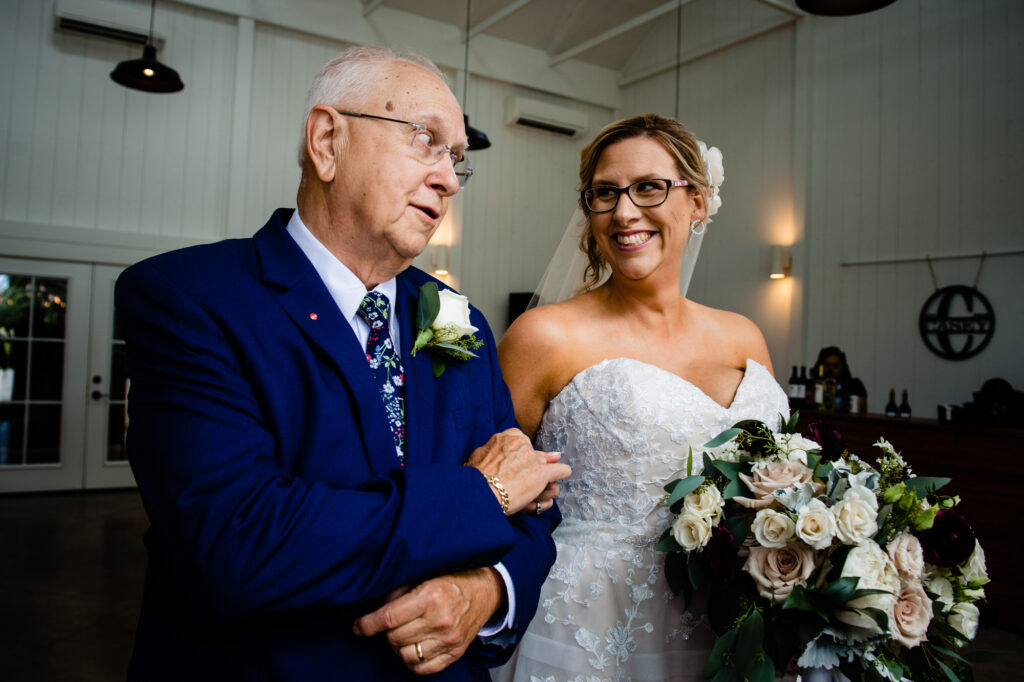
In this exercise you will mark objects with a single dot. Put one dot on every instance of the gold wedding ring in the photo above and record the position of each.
(419, 652)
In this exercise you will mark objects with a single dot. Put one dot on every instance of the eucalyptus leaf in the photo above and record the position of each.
(880, 617)
(763, 671)
(749, 644)
(723, 437)
(923, 486)
(684, 488)
(950, 653)
(716, 661)
(949, 673)
(734, 489)
(739, 526)
(437, 365)
(667, 543)
(422, 339)
(459, 350)
(428, 306)
(839, 591)
(676, 571)
(698, 576)
(728, 469)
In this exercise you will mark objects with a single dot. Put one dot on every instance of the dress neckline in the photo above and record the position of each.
(751, 363)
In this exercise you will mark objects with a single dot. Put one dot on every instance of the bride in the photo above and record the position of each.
(624, 379)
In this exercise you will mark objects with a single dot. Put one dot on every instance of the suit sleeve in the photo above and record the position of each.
(245, 535)
(533, 555)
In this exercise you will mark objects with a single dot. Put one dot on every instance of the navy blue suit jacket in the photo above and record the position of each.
(279, 514)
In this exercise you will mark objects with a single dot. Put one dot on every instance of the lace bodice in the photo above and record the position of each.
(606, 613)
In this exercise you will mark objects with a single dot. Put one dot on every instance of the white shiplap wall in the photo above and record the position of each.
(79, 151)
(890, 134)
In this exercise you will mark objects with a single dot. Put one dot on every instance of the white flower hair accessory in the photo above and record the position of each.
(715, 175)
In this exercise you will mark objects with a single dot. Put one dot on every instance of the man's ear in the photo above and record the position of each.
(322, 130)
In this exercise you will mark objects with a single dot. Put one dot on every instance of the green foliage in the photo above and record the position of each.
(723, 438)
(923, 486)
(428, 306)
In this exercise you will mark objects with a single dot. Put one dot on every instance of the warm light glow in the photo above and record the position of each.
(777, 275)
(148, 72)
(781, 262)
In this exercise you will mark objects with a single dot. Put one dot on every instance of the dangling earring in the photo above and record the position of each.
(697, 227)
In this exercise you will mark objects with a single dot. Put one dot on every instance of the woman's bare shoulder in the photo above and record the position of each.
(736, 334)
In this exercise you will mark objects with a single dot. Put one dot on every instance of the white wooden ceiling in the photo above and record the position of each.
(600, 32)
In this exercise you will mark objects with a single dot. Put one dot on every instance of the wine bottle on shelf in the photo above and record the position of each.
(858, 399)
(808, 386)
(904, 405)
(891, 408)
(819, 389)
(796, 391)
(829, 393)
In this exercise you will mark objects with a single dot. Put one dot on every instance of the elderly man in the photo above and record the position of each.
(323, 506)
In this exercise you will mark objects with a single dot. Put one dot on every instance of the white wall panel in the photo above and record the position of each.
(81, 151)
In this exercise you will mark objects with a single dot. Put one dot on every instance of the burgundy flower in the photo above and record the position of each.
(757, 438)
(831, 441)
(949, 542)
(719, 556)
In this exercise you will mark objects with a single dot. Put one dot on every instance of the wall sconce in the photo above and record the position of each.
(439, 259)
(782, 262)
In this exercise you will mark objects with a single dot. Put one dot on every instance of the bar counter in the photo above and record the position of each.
(987, 474)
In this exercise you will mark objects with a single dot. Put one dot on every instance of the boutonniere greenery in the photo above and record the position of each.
(443, 327)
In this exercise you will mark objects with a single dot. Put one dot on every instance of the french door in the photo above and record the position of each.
(62, 383)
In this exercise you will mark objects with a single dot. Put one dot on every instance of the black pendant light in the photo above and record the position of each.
(477, 139)
(841, 8)
(147, 74)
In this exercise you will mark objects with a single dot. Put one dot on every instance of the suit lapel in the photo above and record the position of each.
(307, 302)
(420, 384)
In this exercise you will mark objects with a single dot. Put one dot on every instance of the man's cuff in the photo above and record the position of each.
(500, 629)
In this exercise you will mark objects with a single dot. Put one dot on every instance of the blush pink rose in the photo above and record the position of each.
(768, 476)
(777, 570)
(912, 614)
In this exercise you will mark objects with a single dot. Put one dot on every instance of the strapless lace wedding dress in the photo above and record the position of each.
(606, 613)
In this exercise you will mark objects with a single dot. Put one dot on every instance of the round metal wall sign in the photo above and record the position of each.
(957, 322)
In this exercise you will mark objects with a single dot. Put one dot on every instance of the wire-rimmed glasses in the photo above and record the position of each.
(426, 149)
(643, 194)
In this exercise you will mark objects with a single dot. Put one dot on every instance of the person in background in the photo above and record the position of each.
(323, 505)
(850, 391)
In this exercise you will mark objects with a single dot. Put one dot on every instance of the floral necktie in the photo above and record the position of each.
(386, 365)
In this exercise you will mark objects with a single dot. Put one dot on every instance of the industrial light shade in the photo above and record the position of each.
(147, 74)
(782, 262)
(841, 8)
(477, 139)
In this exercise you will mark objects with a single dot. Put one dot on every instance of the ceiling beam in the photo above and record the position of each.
(370, 6)
(783, 7)
(640, 20)
(694, 55)
(498, 16)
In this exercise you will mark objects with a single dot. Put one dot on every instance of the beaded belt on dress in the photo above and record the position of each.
(604, 535)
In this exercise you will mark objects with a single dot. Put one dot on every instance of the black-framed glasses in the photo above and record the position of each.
(643, 193)
(426, 149)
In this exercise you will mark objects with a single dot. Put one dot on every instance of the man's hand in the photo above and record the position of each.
(528, 476)
(442, 615)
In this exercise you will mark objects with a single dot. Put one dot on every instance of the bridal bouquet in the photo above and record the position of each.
(815, 560)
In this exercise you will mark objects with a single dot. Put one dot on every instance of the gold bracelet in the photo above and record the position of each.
(502, 493)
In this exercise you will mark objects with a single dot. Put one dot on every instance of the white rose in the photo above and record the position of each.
(452, 321)
(772, 529)
(796, 446)
(705, 503)
(691, 531)
(875, 571)
(908, 557)
(912, 614)
(942, 589)
(975, 572)
(964, 619)
(776, 570)
(856, 515)
(815, 524)
(716, 168)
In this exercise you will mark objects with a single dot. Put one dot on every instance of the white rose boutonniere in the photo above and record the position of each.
(443, 327)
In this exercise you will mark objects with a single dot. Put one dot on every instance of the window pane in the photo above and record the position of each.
(14, 359)
(44, 434)
(15, 294)
(47, 370)
(51, 302)
(12, 420)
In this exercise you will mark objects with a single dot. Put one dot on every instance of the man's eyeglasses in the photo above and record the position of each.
(425, 148)
(643, 193)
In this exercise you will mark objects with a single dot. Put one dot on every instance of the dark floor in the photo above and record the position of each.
(71, 569)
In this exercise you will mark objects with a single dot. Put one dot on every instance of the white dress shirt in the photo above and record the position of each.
(348, 292)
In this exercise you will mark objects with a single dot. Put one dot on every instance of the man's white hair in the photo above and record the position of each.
(350, 78)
